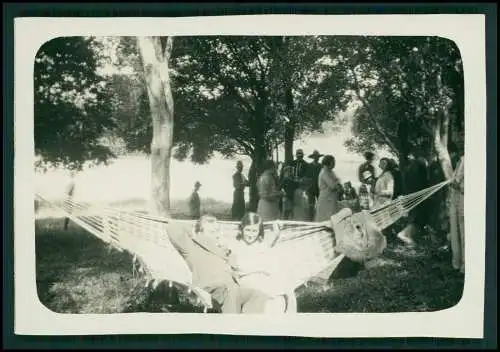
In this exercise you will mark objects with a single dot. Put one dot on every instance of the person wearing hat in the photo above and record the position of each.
(300, 169)
(314, 170)
(194, 202)
(300, 166)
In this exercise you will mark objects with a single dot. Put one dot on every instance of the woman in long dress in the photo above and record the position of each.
(329, 186)
(384, 186)
(269, 194)
(239, 184)
(301, 210)
(254, 257)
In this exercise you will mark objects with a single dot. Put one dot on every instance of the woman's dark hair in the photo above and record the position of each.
(251, 218)
(328, 160)
(388, 164)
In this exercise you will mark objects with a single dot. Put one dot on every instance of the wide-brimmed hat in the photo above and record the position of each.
(315, 154)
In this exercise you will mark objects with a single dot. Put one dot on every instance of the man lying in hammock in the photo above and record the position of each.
(212, 267)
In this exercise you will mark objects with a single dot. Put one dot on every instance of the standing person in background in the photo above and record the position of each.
(329, 187)
(437, 203)
(288, 185)
(239, 184)
(365, 201)
(301, 210)
(366, 171)
(195, 203)
(349, 191)
(398, 180)
(300, 166)
(457, 229)
(70, 190)
(269, 194)
(314, 170)
(384, 186)
(299, 169)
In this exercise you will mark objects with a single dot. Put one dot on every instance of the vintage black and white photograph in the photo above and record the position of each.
(250, 174)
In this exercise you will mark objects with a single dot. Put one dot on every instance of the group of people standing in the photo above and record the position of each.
(300, 191)
(311, 191)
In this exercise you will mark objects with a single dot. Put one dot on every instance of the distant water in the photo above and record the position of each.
(130, 177)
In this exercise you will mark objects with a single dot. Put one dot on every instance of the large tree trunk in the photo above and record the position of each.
(252, 180)
(440, 138)
(155, 53)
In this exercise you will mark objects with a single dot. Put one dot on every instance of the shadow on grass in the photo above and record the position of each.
(77, 273)
(404, 280)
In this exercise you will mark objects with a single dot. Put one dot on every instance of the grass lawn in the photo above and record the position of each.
(77, 273)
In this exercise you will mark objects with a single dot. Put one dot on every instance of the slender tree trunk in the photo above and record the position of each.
(155, 55)
(289, 138)
(290, 126)
(252, 180)
(440, 138)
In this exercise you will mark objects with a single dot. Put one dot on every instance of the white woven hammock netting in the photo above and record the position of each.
(302, 250)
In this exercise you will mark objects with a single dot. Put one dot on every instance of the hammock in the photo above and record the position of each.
(301, 251)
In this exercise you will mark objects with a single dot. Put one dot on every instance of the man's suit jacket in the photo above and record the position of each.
(209, 263)
(300, 168)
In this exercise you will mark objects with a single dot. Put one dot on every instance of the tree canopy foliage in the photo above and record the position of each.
(231, 94)
(404, 85)
(244, 95)
(71, 104)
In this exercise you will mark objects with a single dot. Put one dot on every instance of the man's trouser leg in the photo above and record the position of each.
(253, 301)
(228, 297)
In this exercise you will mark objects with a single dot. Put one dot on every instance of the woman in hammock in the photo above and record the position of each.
(253, 256)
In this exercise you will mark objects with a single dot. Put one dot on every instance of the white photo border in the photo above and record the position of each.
(465, 320)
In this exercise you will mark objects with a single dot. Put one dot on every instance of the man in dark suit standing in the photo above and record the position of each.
(213, 267)
(300, 166)
(314, 170)
(300, 170)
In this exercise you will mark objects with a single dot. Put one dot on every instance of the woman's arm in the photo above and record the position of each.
(331, 181)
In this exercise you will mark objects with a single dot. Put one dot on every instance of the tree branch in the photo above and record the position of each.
(377, 125)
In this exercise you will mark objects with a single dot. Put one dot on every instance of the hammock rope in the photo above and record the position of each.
(302, 250)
